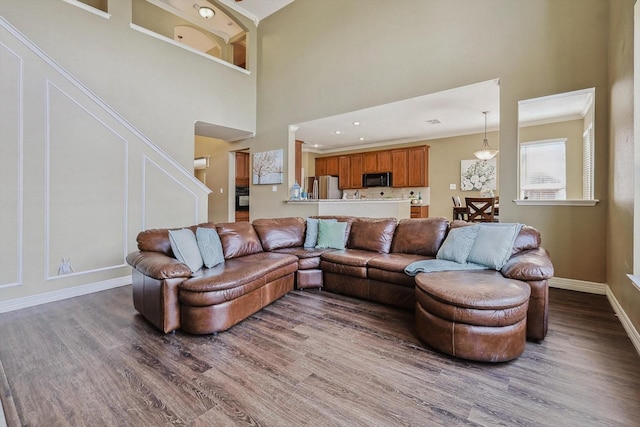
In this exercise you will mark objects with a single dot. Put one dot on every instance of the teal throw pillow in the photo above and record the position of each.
(185, 248)
(311, 236)
(210, 246)
(494, 244)
(331, 234)
(457, 246)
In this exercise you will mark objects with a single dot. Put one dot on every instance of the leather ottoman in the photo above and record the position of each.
(480, 316)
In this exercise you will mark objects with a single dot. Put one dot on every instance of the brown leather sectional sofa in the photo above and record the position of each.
(266, 259)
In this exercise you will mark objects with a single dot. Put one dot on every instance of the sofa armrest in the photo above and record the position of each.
(157, 265)
(529, 265)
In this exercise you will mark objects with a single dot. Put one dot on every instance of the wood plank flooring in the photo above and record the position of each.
(310, 358)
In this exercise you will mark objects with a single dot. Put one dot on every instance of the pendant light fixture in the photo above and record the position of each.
(486, 152)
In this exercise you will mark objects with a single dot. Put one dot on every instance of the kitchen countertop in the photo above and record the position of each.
(379, 200)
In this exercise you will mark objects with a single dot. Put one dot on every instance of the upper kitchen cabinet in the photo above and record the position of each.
(418, 166)
(344, 172)
(355, 171)
(328, 166)
(376, 161)
(399, 165)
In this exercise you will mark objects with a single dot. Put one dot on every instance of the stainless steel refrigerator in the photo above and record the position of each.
(327, 186)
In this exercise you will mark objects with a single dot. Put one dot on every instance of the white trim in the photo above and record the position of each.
(88, 8)
(571, 202)
(578, 285)
(47, 297)
(632, 332)
(635, 279)
(186, 47)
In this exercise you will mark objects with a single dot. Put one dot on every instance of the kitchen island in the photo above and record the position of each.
(372, 208)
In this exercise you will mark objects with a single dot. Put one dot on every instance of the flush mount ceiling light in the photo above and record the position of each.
(206, 12)
(486, 152)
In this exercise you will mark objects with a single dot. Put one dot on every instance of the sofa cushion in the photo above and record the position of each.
(185, 248)
(276, 233)
(421, 236)
(210, 246)
(528, 238)
(238, 239)
(311, 235)
(372, 234)
(331, 234)
(155, 240)
(458, 244)
(494, 244)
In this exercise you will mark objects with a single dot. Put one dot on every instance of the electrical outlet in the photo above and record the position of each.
(221, 190)
(452, 186)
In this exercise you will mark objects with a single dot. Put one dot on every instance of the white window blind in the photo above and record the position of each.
(543, 170)
(587, 163)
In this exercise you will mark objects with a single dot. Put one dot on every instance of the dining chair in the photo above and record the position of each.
(459, 211)
(480, 209)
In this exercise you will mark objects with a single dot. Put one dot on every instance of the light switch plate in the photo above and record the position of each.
(274, 188)
(452, 186)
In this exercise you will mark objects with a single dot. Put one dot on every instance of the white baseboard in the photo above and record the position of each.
(32, 300)
(632, 332)
(578, 285)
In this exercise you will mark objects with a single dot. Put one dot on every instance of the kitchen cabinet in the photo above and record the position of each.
(384, 161)
(370, 162)
(355, 170)
(376, 161)
(419, 211)
(344, 176)
(328, 166)
(321, 166)
(409, 166)
(417, 167)
(333, 167)
(242, 169)
(399, 164)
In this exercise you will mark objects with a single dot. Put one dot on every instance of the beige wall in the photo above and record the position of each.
(217, 175)
(620, 233)
(324, 58)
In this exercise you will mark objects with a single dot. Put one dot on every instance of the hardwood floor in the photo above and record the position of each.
(308, 359)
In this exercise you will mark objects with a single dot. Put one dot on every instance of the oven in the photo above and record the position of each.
(242, 198)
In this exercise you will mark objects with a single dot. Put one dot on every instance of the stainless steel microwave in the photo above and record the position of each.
(382, 179)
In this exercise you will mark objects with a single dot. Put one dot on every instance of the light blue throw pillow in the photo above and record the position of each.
(494, 244)
(185, 248)
(331, 234)
(210, 246)
(311, 236)
(457, 246)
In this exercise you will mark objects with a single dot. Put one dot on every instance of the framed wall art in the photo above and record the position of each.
(267, 167)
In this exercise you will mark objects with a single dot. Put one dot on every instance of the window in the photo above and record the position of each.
(543, 170)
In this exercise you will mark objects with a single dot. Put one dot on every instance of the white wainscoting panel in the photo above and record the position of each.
(11, 167)
(86, 188)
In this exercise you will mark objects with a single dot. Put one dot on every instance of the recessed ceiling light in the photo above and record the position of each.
(361, 138)
(338, 132)
(316, 145)
(356, 123)
(434, 121)
(206, 12)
